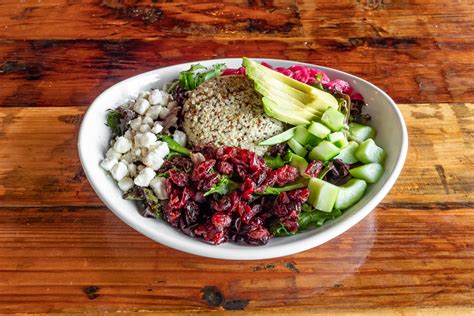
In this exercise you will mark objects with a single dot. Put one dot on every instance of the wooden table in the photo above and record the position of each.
(62, 251)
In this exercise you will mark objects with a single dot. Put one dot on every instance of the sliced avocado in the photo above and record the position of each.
(350, 193)
(280, 138)
(272, 110)
(322, 194)
(324, 99)
(267, 84)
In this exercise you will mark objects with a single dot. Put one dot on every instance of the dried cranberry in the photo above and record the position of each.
(278, 149)
(222, 205)
(243, 209)
(241, 171)
(208, 151)
(248, 215)
(256, 162)
(248, 187)
(314, 168)
(210, 233)
(300, 195)
(221, 220)
(286, 174)
(206, 183)
(202, 169)
(172, 216)
(191, 212)
(282, 198)
(225, 168)
(280, 210)
(258, 236)
(181, 179)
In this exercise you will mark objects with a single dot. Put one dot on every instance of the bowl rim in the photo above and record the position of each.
(261, 252)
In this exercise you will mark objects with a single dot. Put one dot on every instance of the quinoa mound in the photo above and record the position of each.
(227, 111)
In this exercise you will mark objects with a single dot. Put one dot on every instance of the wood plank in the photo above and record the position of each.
(57, 19)
(65, 73)
(81, 259)
(113, 19)
(39, 166)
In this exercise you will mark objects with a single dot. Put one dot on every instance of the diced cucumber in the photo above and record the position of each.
(370, 173)
(338, 139)
(359, 132)
(324, 151)
(298, 162)
(313, 141)
(301, 135)
(280, 138)
(322, 194)
(350, 193)
(369, 152)
(333, 119)
(347, 154)
(318, 130)
(297, 147)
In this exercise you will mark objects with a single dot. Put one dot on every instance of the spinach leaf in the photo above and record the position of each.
(224, 186)
(197, 74)
(113, 121)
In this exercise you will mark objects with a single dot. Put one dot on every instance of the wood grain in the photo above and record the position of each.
(47, 72)
(40, 166)
(77, 259)
(62, 251)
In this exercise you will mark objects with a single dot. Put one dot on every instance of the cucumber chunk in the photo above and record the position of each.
(350, 193)
(338, 139)
(359, 132)
(322, 194)
(324, 151)
(297, 147)
(318, 130)
(280, 138)
(333, 119)
(370, 173)
(298, 162)
(369, 152)
(347, 154)
(301, 135)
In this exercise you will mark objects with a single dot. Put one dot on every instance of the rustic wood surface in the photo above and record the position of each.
(62, 251)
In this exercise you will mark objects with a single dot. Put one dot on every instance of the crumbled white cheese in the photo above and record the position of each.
(164, 113)
(145, 128)
(153, 112)
(159, 187)
(141, 106)
(172, 104)
(148, 139)
(160, 148)
(180, 137)
(132, 170)
(122, 145)
(136, 123)
(128, 157)
(158, 97)
(144, 177)
(119, 171)
(108, 163)
(147, 120)
(157, 128)
(153, 160)
(111, 153)
(128, 134)
(125, 184)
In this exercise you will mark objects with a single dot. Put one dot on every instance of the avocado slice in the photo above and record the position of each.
(322, 98)
(284, 114)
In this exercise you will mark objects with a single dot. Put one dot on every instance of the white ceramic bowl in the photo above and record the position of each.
(94, 137)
